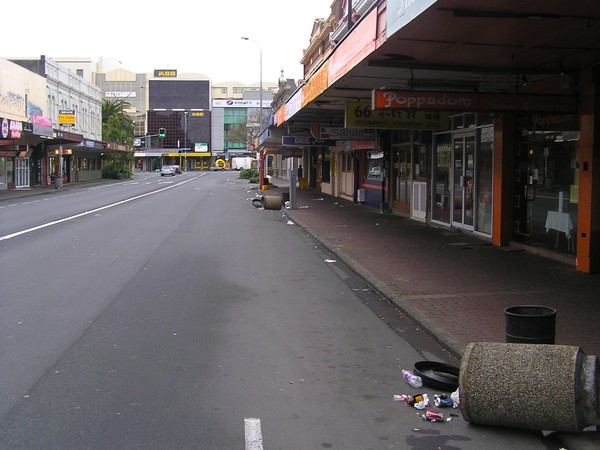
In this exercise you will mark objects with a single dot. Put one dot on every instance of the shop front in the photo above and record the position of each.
(547, 181)
(462, 174)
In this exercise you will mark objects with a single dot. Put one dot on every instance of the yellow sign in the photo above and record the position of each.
(360, 115)
(220, 163)
(197, 113)
(66, 119)
(165, 73)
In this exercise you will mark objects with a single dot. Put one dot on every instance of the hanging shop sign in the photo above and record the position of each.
(338, 133)
(361, 115)
(459, 101)
(306, 141)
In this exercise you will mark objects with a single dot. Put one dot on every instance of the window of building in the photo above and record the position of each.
(79, 72)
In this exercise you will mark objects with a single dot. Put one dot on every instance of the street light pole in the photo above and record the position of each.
(262, 169)
(185, 142)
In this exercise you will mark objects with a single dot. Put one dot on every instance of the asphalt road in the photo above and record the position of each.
(170, 313)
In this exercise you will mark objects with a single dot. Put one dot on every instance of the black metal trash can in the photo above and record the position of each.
(530, 324)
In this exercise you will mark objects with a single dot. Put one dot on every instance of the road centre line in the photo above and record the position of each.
(253, 434)
(76, 216)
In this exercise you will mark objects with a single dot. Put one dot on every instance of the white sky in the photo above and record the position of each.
(189, 36)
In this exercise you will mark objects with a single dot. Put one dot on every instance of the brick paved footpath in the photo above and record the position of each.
(455, 285)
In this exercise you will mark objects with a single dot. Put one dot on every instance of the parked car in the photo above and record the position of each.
(176, 167)
(167, 170)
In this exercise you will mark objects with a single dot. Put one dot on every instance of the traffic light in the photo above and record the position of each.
(162, 132)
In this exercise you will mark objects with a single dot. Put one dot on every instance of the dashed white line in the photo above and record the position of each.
(253, 434)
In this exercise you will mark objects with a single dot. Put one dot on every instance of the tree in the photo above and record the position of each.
(117, 127)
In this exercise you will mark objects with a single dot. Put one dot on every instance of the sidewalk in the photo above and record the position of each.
(455, 285)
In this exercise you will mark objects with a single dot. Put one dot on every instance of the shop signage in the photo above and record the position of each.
(16, 129)
(240, 103)
(360, 115)
(169, 73)
(66, 117)
(316, 84)
(201, 147)
(117, 94)
(10, 129)
(456, 101)
(306, 141)
(357, 134)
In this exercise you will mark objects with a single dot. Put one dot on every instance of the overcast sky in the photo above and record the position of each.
(202, 37)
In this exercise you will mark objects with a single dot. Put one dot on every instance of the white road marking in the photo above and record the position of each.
(253, 434)
(76, 216)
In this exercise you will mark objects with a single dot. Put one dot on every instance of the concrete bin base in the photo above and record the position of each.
(268, 201)
(534, 386)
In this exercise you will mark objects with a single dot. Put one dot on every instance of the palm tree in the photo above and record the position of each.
(117, 126)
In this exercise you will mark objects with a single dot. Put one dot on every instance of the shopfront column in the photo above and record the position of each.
(503, 209)
(588, 231)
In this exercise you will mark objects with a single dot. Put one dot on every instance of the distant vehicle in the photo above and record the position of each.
(242, 162)
(219, 164)
(167, 170)
(375, 172)
(176, 167)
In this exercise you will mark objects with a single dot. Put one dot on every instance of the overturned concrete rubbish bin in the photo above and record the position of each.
(268, 201)
(530, 324)
(534, 386)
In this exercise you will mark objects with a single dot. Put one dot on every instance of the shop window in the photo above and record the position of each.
(85, 164)
(483, 181)
(442, 157)
(326, 166)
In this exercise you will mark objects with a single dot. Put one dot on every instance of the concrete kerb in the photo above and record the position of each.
(455, 347)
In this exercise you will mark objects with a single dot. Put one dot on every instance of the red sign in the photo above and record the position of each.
(456, 101)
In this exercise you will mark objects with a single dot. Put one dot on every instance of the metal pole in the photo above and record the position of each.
(262, 169)
(185, 143)
(293, 178)
(265, 164)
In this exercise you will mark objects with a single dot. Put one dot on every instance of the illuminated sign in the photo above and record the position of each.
(197, 113)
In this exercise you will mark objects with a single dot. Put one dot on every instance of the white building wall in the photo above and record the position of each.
(66, 90)
(22, 92)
